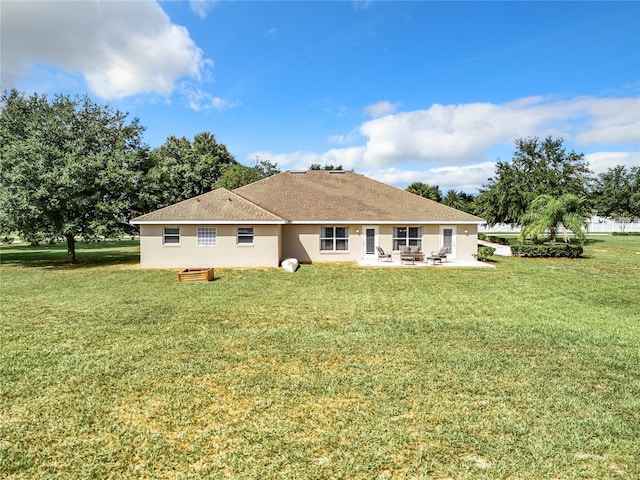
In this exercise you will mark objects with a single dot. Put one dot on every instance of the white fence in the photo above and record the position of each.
(607, 225)
(595, 225)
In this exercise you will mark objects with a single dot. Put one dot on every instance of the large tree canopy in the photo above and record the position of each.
(236, 175)
(68, 168)
(183, 169)
(616, 193)
(538, 167)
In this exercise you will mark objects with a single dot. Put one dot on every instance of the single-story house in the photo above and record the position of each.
(314, 216)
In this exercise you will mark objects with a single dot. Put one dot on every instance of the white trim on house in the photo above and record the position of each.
(376, 222)
(295, 222)
(208, 222)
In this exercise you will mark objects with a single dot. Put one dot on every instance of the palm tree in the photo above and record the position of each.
(458, 200)
(454, 199)
(431, 192)
(549, 213)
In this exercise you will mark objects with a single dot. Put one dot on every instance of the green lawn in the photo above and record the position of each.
(530, 370)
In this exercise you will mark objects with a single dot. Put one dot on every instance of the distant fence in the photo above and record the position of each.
(595, 225)
(604, 225)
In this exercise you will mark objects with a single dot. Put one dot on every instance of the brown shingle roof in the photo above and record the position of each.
(312, 196)
(219, 205)
(318, 195)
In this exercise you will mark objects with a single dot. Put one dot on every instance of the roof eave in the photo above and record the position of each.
(207, 222)
(387, 222)
(305, 222)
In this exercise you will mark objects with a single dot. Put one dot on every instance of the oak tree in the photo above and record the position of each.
(182, 169)
(539, 167)
(237, 175)
(68, 168)
(616, 193)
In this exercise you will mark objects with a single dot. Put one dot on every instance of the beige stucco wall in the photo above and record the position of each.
(303, 242)
(264, 252)
(273, 243)
(467, 243)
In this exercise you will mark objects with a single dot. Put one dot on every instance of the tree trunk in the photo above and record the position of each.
(71, 247)
(552, 231)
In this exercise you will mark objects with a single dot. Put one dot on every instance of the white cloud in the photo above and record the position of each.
(450, 134)
(347, 157)
(120, 48)
(600, 162)
(450, 145)
(199, 100)
(201, 7)
(467, 178)
(610, 121)
(380, 109)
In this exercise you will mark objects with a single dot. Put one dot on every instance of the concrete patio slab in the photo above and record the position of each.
(448, 264)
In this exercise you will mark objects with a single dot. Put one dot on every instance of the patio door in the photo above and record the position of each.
(370, 241)
(448, 239)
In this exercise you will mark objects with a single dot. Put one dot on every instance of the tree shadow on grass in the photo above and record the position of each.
(88, 255)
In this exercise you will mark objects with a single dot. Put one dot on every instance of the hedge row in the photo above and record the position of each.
(624, 234)
(495, 239)
(556, 251)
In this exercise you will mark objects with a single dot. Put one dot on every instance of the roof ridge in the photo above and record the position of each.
(315, 195)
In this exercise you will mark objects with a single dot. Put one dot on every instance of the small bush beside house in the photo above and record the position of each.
(484, 253)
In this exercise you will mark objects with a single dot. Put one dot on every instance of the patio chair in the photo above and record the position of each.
(382, 254)
(441, 254)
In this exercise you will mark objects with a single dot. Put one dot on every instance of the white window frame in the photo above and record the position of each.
(330, 234)
(244, 235)
(207, 236)
(406, 239)
(166, 235)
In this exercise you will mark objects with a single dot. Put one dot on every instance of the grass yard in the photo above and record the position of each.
(530, 370)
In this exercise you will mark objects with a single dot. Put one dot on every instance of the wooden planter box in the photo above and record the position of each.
(196, 275)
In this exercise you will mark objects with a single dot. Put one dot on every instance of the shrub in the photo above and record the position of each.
(482, 236)
(495, 239)
(624, 234)
(484, 253)
(546, 251)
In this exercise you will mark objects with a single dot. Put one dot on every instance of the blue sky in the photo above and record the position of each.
(400, 91)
